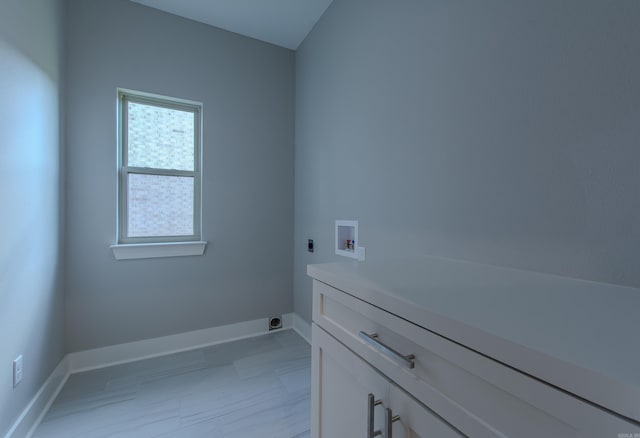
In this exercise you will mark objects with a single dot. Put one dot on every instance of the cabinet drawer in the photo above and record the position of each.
(342, 383)
(482, 397)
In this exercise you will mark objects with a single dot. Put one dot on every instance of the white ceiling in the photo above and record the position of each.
(282, 22)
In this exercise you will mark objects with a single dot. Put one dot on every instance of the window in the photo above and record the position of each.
(159, 169)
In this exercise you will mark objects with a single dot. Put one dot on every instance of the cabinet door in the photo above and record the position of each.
(414, 419)
(342, 383)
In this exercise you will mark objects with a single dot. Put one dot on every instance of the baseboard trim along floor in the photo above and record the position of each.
(302, 327)
(93, 359)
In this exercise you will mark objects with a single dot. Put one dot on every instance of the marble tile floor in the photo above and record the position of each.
(256, 387)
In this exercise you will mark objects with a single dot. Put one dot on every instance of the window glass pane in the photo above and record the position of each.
(161, 138)
(160, 205)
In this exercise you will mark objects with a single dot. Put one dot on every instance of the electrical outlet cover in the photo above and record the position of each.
(17, 370)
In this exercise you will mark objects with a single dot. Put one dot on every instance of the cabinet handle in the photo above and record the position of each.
(408, 361)
(389, 419)
(371, 416)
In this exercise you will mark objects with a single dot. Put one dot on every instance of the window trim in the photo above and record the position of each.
(124, 170)
(156, 250)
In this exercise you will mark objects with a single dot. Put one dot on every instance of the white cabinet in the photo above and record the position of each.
(353, 400)
(435, 386)
(342, 383)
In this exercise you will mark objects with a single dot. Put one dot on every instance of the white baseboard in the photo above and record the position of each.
(144, 349)
(148, 348)
(302, 327)
(33, 413)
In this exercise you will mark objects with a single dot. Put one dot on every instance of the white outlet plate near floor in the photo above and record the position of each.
(17, 370)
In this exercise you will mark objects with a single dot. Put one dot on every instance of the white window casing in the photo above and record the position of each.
(159, 182)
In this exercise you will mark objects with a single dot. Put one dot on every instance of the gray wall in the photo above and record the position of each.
(31, 295)
(247, 89)
(504, 132)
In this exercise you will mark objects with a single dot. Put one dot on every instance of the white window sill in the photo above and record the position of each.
(154, 250)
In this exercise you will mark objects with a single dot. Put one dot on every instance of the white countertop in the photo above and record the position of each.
(578, 335)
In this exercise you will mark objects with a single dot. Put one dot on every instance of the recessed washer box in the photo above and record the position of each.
(346, 241)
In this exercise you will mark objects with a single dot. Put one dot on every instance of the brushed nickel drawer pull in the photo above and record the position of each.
(372, 340)
(389, 419)
(372, 403)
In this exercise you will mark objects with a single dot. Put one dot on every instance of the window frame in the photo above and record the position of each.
(124, 170)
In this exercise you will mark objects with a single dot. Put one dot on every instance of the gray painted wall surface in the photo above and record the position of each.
(31, 294)
(247, 89)
(501, 132)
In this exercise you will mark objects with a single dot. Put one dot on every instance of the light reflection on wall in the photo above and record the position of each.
(30, 204)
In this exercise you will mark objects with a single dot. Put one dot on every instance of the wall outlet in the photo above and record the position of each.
(17, 370)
